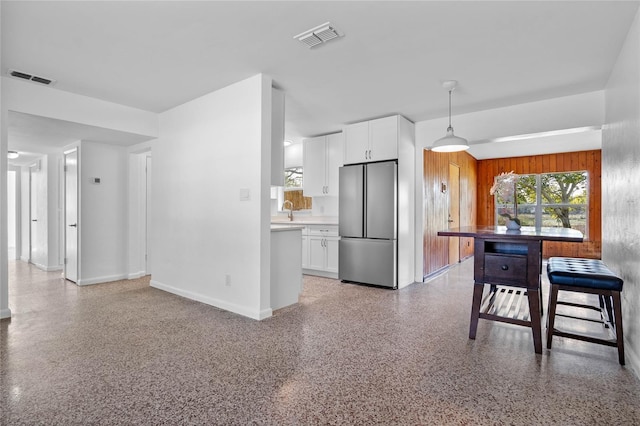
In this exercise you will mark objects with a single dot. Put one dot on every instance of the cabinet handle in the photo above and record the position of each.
(504, 267)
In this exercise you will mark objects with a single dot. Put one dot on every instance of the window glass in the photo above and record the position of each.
(549, 200)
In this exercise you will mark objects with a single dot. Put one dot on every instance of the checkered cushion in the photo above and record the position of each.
(591, 273)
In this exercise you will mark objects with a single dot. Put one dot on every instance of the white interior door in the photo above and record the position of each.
(147, 255)
(71, 215)
(34, 242)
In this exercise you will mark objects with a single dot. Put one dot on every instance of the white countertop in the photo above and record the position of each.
(275, 227)
(304, 220)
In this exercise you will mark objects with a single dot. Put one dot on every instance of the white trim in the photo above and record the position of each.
(231, 307)
(5, 313)
(47, 268)
(136, 275)
(320, 273)
(101, 280)
(632, 360)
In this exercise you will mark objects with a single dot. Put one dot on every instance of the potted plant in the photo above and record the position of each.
(504, 187)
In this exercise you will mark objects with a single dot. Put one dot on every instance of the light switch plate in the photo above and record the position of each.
(244, 194)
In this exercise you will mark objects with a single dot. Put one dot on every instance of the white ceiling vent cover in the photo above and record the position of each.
(318, 35)
(26, 76)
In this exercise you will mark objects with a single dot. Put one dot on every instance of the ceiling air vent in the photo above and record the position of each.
(31, 77)
(318, 35)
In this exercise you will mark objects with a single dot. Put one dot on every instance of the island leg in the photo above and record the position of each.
(534, 310)
(475, 308)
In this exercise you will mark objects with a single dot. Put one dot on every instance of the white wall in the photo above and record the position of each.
(5, 312)
(103, 213)
(212, 152)
(568, 112)
(620, 177)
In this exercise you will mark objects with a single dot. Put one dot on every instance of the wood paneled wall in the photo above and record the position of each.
(436, 206)
(565, 162)
(300, 202)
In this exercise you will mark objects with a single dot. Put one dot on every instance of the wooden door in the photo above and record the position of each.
(454, 212)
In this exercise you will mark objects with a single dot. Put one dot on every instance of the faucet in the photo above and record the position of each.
(284, 206)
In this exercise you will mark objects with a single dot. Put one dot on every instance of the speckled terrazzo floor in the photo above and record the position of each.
(125, 353)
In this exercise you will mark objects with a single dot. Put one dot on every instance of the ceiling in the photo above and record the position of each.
(392, 58)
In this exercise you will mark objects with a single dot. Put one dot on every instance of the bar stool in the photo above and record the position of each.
(586, 276)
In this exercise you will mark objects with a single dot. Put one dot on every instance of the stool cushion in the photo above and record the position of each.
(591, 273)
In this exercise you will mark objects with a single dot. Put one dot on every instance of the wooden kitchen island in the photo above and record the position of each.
(513, 259)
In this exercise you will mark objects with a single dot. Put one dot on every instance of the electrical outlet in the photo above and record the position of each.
(227, 280)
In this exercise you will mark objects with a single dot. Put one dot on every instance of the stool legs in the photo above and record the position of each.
(617, 312)
(551, 313)
(616, 325)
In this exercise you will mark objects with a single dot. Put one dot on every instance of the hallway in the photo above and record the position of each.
(126, 353)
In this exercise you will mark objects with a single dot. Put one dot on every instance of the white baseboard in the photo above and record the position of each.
(100, 280)
(136, 275)
(632, 360)
(5, 313)
(231, 307)
(48, 268)
(319, 273)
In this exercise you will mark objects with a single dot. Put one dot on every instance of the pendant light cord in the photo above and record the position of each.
(449, 110)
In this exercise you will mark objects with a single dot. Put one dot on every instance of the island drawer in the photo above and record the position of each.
(505, 268)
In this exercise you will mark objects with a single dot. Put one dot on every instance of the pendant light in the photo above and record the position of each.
(12, 155)
(451, 142)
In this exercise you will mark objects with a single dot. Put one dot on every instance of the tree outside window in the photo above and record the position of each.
(550, 200)
(293, 177)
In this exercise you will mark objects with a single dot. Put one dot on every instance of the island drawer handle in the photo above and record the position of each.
(505, 267)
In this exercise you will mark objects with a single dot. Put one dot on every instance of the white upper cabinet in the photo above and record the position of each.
(374, 140)
(322, 159)
(277, 137)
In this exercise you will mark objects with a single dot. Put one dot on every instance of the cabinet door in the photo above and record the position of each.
(383, 138)
(335, 150)
(332, 253)
(317, 254)
(315, 166)
(356, 143)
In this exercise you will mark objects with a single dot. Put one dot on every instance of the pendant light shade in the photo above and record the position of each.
(451, 142)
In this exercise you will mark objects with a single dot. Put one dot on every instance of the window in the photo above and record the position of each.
(549, 200)
(293, 178)
(293, 189)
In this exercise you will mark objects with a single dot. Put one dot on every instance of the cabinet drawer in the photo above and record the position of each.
(324, 230)
(505, 269)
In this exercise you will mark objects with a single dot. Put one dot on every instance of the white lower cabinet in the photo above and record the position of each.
(322, 250)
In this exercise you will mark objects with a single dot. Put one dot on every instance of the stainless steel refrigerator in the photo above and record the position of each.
(368, 223)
